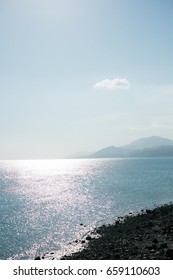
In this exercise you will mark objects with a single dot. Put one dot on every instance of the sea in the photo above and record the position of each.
(45, 205)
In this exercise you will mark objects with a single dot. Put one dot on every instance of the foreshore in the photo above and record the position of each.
(147, 235)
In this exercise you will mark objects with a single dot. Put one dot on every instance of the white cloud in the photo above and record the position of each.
(113, 84)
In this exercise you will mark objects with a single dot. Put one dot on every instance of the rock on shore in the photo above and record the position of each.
(148, 235)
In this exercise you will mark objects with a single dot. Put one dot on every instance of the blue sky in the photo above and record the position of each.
(80, 75)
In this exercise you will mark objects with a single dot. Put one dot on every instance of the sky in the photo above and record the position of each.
(80, 75)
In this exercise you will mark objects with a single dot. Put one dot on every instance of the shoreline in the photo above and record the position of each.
(145, 236)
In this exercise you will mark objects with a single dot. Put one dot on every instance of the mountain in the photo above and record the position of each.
(149, 142)
(153, 146)
(163, 151)
(110, 152)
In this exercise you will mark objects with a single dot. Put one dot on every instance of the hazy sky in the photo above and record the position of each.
(79, 75)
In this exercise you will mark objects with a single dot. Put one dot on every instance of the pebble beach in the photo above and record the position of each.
(145, 236)
(148, 235)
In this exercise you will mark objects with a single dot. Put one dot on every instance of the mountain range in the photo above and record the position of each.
(153, 146)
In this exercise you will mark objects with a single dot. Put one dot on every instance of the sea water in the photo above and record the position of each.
(46, 204)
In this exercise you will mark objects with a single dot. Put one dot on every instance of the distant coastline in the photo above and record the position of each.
(153, 146)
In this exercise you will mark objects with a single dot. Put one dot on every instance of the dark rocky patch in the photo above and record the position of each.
(88, 238)
(37, 258)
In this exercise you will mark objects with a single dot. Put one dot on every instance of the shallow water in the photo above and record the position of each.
(43, 202)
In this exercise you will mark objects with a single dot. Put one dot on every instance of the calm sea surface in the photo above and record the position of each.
(43, 202)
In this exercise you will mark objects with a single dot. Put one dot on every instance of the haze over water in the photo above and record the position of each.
(43, 202)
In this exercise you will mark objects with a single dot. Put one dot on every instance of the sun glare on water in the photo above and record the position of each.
(49, 180)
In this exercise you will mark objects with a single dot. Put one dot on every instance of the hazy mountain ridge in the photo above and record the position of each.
(163, 151)
(149, 142)
(153, 146)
